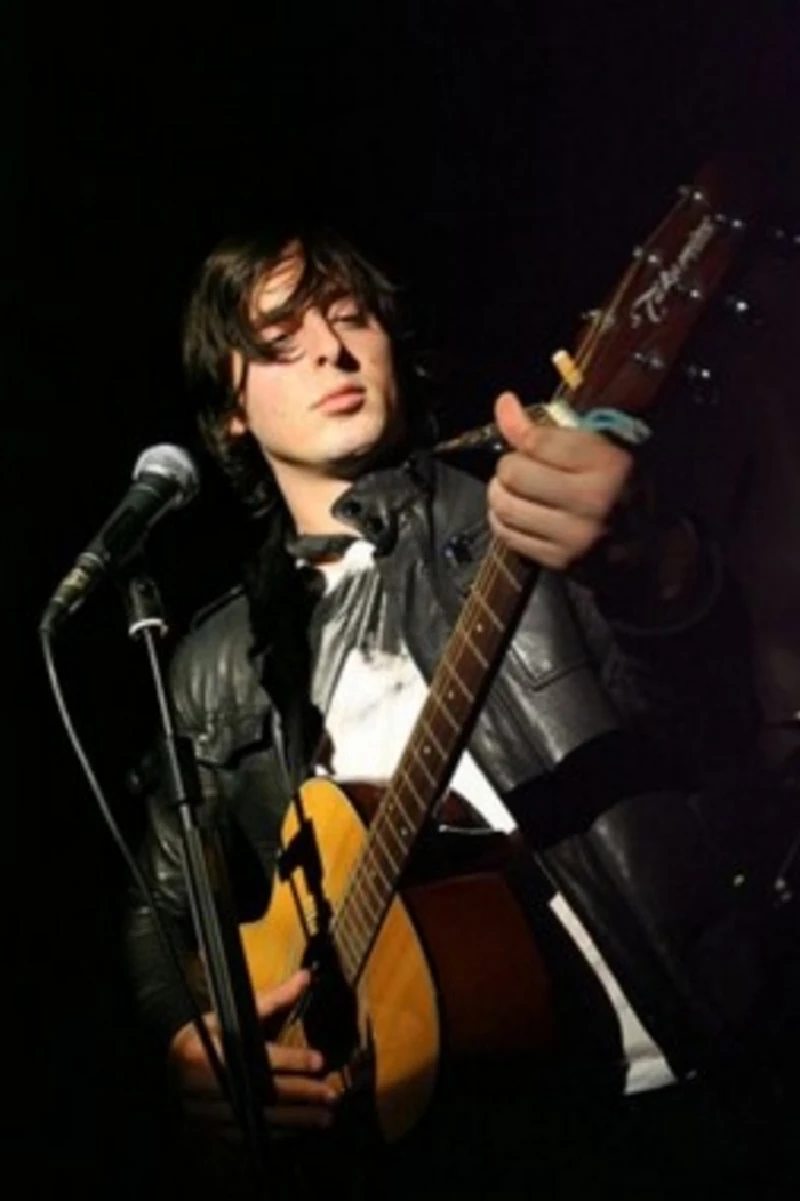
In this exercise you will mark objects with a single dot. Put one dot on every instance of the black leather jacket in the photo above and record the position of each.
(597, 733)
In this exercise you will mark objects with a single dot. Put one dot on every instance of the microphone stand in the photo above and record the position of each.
(247, 1073)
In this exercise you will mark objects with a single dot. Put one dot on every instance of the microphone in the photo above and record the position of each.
(164, 477)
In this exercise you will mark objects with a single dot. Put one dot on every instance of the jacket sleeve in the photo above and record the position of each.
(685, 683)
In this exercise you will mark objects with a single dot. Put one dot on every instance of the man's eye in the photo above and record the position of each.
(350, 317)
(280, 344)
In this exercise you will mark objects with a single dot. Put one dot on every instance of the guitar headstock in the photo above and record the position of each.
(629, 345)
(626, 350)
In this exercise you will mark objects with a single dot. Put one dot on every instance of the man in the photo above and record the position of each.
(606, 719)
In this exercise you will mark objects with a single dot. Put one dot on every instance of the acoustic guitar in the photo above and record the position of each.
(411, 975)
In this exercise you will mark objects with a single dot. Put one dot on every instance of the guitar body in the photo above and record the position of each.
(454, 973)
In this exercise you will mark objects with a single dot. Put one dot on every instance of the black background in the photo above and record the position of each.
(501, 158)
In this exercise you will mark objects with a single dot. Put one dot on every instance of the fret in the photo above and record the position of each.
(360, 914)
(393, 803)
(503, 584)
(434, 699)
(346, 942)
(363, 921)
(430, 733)
(432, 776)
(349, 921)
(489, 611)
(350, 966)
(348, 946)
(365, 918)
(425, 752)
(401, 842)
(467, 640)
(447, 667)
(450, 696)
(371, 859)
(509, 574)
(380, 879)
(393, 799)
(394, 865)
(342, 939)
(349, 959)
(367, 885)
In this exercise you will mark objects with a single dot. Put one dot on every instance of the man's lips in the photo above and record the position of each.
(342, 400)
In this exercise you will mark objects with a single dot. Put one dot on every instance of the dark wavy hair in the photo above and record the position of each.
(219, 319)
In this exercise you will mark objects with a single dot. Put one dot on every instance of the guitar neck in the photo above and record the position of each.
(423, 773)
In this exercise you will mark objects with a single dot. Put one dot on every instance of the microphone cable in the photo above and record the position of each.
(137, 874)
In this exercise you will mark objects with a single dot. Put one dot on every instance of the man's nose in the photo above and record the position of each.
(325, 344)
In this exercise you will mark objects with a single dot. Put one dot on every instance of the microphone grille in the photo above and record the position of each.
(173, 463)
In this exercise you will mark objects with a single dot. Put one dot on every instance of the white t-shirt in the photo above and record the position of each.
(369, 719)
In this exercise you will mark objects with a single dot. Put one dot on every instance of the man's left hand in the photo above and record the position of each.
(553, 494)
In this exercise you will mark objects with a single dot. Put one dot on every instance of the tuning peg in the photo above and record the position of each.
(603, 320)
(651, 257)
(690, 291)
(735, 225)
(742, 310)
(703, 383)
(783, 891)
(786, 241)
(651, 360)
(692, 193)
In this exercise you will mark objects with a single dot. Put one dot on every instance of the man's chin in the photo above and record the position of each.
(356, 463)
(361, 459)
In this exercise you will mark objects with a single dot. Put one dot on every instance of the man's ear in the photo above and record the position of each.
(237, 425)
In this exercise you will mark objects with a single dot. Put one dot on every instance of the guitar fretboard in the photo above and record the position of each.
(426, 765)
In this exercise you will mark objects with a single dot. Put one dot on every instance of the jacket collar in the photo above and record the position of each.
(373, 504)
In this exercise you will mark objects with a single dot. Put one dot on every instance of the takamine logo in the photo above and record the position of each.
(650, 305)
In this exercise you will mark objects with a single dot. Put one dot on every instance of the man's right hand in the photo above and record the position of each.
(302, 1098)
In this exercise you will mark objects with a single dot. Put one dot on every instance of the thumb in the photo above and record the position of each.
(514, 423)
(270, 1001)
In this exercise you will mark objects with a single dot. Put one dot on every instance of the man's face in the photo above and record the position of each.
(331, 399)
